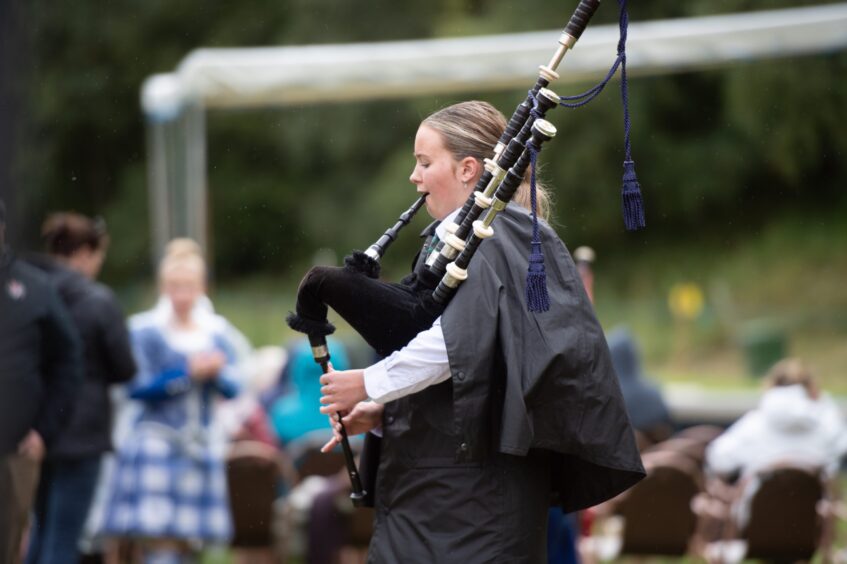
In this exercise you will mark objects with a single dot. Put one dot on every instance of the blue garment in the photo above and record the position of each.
(163, 382)
(65, 491)
(169, 479)
(163, 489)
(296, 413)
(562, 534)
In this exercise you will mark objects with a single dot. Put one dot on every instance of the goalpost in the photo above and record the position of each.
(175, 104)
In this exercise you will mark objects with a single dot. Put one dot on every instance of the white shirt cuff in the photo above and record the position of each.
(377, 382)
(421, 363)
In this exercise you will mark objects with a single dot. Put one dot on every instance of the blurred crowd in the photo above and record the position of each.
(764, 487)
(153, 438)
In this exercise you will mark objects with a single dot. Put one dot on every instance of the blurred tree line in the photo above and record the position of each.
(718, 152)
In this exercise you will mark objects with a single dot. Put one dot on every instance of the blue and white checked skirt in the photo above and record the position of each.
(161, 489)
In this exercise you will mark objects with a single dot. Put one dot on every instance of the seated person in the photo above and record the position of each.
(794, 423)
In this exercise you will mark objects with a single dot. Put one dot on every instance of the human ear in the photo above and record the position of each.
(469, 169)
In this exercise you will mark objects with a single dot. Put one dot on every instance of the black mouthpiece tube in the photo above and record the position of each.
(581, 16)
(377, 250)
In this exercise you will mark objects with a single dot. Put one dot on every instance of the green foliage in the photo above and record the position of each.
(719, 152)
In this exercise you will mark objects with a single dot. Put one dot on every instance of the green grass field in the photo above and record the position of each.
(785, 286)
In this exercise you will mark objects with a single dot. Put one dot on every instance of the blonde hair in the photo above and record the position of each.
(472, 129)
(790, 372)
(182, 253)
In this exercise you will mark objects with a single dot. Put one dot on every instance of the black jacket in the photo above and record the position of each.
(107, 357)
(532, 414)
(561, 393)
(40, 356)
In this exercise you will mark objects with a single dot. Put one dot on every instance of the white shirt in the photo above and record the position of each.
(420, 364)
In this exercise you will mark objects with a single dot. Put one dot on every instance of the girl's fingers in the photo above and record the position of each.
(329, 445)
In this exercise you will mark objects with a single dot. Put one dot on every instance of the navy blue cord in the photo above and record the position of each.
(537, 297)
(631, 200)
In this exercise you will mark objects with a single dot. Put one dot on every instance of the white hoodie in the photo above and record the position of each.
(788, 426)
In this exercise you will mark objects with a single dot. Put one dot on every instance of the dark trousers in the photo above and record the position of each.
(18, 478)
(61, 507)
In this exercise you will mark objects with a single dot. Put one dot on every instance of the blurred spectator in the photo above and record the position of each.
(245, 418)
(294, 414)
(169, 487)
(302, 429)
(583, 258)
(645, 405)
(40, 373)
(794, 423)
(77, 247)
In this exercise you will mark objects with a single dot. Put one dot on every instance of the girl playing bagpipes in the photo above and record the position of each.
(497, 398)
(494, 412)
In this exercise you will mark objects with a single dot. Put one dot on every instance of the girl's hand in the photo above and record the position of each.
(341, 390)
(365, 416)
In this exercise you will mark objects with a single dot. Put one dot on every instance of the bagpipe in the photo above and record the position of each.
(389, 315)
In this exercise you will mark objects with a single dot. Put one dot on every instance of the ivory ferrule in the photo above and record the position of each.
(454, 242)
(481, 230)
(482, 200)
(451, 227)
(373, 253)
(547, 73)
(549, 94)
(455, 275)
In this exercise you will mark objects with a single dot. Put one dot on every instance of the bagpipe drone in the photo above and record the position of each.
(388, 315)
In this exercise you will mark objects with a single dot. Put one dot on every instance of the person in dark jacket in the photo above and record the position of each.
(77, 247)
(645, 404)
(40, 372)
(496, 411)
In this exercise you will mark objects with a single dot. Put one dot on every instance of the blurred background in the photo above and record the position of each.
(742, 168)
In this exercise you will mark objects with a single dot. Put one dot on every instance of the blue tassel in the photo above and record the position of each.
(537, 298)
(631, 200)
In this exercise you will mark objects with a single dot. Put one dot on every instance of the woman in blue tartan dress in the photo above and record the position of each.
(169, 485)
